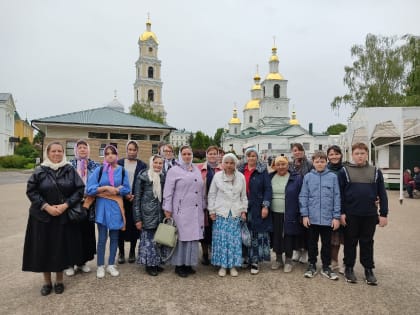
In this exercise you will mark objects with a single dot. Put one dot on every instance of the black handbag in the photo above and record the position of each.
(77, 213)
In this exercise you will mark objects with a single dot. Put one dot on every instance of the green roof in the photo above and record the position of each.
(103, 116)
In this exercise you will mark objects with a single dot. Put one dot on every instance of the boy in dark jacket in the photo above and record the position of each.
(319, 202)
(361, 185)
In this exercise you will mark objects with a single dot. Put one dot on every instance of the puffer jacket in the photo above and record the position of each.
(146, 207)
(319, 197)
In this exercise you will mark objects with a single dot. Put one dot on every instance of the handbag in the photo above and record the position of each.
(245, 234)
(166, 233)
(77, 213)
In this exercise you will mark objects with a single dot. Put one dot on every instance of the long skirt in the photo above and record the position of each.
(87, 230)
(46, 248)
(186, 253)
(227, 242)
(131, 234)
(148, 254)
(260, 247)
(277, 236)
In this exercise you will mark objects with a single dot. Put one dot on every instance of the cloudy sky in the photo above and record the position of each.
(60, 56)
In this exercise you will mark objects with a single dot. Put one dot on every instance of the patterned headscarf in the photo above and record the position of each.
(108, 167)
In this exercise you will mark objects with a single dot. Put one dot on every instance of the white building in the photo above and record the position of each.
(180, 137)
(267, 125)
(7, 123)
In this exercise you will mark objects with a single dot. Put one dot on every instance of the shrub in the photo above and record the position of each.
(15, 161)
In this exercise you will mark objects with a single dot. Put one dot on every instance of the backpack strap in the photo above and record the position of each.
(101, 170)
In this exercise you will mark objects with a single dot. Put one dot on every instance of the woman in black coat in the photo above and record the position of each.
(133, 166)
(52, 189)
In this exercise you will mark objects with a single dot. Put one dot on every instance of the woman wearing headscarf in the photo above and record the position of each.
(259, 193)
(286, 186)
(183, 199)
(133, 166)
(84, 166)
(227, 204)
(52, 189)
(148, 213)
(109, 188)
(208, 169)
(301, 165)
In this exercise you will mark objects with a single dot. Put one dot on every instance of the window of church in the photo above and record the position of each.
(150, 95)
(134, 136)
(118, 136)
(154, 137)
(150, 72)
(150, 49)
(263, 91)
(250, 119)
(269, 146)
(276, 91)
(236, 130)
(306, 146)
(98, 135)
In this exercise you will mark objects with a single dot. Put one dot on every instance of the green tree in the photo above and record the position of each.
(145, 111)
(26, 149)
(377, 75)
(411, 55)
(217, 140)
(336, 129)
(201, 141)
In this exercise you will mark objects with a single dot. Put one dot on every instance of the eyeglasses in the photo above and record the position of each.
(167, 151)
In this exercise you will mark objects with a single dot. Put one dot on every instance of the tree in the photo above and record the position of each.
(200, 141)
(145, 111)
(336, 129)
(26, 149)
(218, 137)
(411, 55)
(377, 75)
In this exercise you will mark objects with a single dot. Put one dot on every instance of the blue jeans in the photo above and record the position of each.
(113, 245)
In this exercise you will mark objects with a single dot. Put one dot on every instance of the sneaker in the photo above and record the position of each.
(310, 272)
(303, 257)
(233, 272)
(245, 263)
(296, 255)
(328, 273)
(254, 269)
(275, 264)
(370, 277)
(112, 270)
(69, 271)
(349, 275)
(288, 267)
(85, 268)
(121, 258)
(100, 272)
(222, 272)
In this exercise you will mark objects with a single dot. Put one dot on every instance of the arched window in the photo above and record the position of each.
(150, 96)
(137, 97)
(250, 119)
(276, 91)
(264, 91)
(236, 130)
(150, 72)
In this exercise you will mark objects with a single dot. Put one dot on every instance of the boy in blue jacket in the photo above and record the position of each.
(320, 202)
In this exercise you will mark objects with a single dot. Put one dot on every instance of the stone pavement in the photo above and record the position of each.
(397, 253)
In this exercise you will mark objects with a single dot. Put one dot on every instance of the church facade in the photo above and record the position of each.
(266, 123)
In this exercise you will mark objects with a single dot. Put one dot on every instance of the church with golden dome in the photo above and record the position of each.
(266, 123)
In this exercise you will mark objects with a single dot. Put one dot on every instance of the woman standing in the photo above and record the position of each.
(52, 189)
(147, 207)
(227, 204)
(168, 155)
(259, 192)
(301, 165)
(335, 163)
(183, 199)
(133, 166)
(109, 188)
(208, 169)
(286, 216)
(84, 167)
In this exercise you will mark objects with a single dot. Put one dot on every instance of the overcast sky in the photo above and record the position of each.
(60, 56)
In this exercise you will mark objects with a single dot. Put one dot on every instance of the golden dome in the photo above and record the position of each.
(252, 104)
(274, 58)
(294, 121)
(274, 76)
(234, 121)
(148, 33)
(256, 87)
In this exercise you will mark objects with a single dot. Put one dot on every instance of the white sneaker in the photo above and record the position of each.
(275, 264)
(69, 272)
(296, 255)
(222, 272)
(288, 268)
(85, 268)
(112, 270)
(233, 272)
(304, 257)
(254, 269)
(100, 272)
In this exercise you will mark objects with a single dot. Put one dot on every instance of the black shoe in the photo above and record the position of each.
(205, 260)
(349, 275)
(151, 270)
(58, 288)
(159, 269)
(121, 258)
(46, 289)
(370, 277)
(131, 258)
(180, 271)
(189, 270)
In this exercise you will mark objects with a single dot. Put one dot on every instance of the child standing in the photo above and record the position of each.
(319, 202)
(361, 185)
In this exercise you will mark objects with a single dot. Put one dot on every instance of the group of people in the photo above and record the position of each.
(411, 183)
(285, 207)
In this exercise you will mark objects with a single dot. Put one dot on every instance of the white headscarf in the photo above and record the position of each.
(47, 162)
(154, 177)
